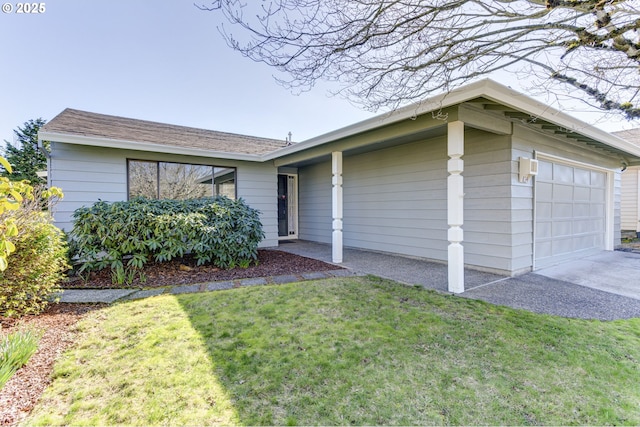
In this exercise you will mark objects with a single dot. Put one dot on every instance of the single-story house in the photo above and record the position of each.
(483, 177)
(630, 197)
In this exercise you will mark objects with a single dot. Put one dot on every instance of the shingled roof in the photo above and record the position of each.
(631, 135)
(92, 125)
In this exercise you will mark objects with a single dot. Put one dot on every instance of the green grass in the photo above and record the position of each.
(342, 351)
(15, 350)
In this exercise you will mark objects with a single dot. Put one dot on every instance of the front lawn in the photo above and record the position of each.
(342, 351)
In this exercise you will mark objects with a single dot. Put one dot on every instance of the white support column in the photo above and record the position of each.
(455, 205)
(336, 204)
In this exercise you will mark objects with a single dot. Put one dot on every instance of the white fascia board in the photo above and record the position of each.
(521, 102)
(486, 88)
(143, 146)
(435, 103)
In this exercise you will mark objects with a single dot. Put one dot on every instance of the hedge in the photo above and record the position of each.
(127, 235)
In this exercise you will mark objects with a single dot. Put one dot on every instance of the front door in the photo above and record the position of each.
(287, 206)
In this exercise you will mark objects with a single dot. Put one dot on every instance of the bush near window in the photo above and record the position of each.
(127, 235)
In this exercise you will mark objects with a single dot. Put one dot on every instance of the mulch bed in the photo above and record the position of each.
(22, 391)
(184, 271)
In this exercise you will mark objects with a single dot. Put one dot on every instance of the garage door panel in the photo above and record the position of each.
(562, 246)
(543, 230)
(597, 211)
(561, 228)
(570, 212)
(582, 210)
(598, 179)
(583, 226)
(543, 249)
(562, 192)
(582, 177)
(545, 171)
(597, 194)
(582, 193)
(562, 210)
(562, 173)
(544, 211)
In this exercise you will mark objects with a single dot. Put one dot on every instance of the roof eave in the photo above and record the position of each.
(484, 88)
(143, 146)
(511, 98)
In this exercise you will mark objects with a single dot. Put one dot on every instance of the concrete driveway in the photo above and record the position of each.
(604, 286)
(616, 272)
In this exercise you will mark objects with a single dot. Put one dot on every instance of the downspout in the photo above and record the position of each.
(47, 154)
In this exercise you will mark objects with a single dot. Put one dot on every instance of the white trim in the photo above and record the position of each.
(550, 157)
(609, 196)
(455, 206)
(637, 172)
(336, 207)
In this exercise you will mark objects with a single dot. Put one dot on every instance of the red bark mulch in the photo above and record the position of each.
(184, 271)
(22, 391)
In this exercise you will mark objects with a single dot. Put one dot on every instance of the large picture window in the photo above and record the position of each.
(165, 180)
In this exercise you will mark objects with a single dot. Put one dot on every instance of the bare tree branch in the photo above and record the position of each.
(388, 52)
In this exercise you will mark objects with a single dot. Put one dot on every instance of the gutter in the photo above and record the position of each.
(41, 148)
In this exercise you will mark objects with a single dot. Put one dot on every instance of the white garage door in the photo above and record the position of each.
(570, 212)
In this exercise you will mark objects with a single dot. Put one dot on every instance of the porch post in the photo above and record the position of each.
(336, 204)
(455, 205)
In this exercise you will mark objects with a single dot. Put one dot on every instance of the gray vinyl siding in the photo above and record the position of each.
(314, 203)
(629, 200)
(395, 200)
(488, 204)
(87, 174)
(257, 184)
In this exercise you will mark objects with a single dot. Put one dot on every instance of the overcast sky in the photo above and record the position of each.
(155, 60)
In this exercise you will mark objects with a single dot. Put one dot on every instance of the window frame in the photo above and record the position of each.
(158, 162)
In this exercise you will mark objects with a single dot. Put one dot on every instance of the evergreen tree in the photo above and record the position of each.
(25, 157)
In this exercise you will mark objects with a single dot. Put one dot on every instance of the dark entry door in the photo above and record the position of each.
(283, 206)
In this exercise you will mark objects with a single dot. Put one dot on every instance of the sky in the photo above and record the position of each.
(163, 61)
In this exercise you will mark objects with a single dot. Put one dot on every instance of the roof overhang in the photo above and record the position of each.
(143, 146)
(485, 95)
(492, 96)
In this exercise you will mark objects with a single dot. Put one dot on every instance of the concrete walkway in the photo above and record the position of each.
(109, 296)
(600, 287)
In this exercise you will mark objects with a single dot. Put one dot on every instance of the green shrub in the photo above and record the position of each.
(15, 350)
(37, 266)
(126, 235)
